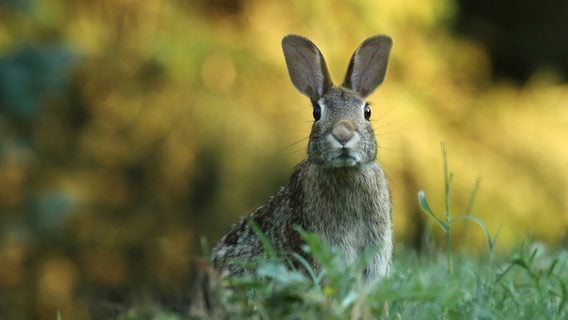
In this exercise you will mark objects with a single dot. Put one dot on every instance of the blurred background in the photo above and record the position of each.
(131, 129)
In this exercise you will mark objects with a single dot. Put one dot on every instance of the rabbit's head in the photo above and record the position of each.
(341, 135)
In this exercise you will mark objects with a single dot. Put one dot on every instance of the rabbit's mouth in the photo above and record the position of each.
(344, 159)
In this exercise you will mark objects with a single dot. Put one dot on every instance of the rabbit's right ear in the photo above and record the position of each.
(368, 65)
(306, 66)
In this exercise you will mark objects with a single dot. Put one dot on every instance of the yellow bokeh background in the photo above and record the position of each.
(189, 121)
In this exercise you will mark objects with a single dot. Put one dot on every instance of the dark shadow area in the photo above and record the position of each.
(522, 37)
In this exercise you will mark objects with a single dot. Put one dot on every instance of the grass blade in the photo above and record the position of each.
(423, 203)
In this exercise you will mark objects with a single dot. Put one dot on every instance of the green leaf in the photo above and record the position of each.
(423, 203)
(280, 273)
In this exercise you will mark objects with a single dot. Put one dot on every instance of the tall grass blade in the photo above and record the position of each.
(423, 203)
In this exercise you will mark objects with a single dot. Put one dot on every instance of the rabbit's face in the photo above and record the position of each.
(341, 134)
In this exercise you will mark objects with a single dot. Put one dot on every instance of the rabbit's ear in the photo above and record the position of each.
(368, 65)
(306, 66)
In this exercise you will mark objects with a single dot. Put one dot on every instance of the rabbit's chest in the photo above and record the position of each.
(349, 224)
(351, 238)
(349, 210)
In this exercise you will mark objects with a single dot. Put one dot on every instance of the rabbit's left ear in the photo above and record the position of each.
(306, 66)
(368, 65)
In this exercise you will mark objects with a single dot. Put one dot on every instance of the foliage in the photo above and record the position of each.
(530, 284)
(446, 223)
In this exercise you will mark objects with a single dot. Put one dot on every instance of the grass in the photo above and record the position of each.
(527, 283)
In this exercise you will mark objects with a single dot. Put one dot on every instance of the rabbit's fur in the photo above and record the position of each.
(339, 192)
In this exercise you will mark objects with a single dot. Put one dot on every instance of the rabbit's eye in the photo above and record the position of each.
(317, 112)
(367, 112)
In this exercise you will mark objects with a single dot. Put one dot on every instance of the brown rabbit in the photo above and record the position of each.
(339, 192)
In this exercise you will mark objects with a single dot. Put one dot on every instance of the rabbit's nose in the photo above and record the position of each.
(343, 131)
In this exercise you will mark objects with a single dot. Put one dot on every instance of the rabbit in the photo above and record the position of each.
(340, 191)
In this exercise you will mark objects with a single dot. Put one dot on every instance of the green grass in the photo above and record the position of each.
(527, 283)
(530, 283)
